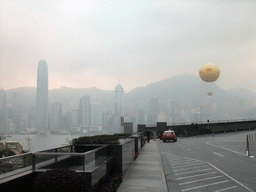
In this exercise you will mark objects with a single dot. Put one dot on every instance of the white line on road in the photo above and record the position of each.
(225, 149)
(188, 165)
(183, 162)
(195, 175)
(193, 171)
(194, 181)
(231, 178)
(226, 189)
(218, 154)
(178, 160)
(205, 185)
(190, 168)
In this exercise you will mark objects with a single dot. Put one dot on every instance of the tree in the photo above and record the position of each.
(6, 153)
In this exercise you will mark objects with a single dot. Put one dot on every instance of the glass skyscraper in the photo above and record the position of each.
(42, 97)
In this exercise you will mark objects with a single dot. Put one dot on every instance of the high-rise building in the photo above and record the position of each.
(96, 114)
(153, 110)
(56, 115)
(42, 97)
(84, 113)
(119, 108)
(3, 129)
(119, 103)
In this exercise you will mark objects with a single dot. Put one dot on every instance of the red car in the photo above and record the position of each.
(169, 135)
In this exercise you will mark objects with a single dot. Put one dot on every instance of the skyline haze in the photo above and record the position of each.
(101, 43)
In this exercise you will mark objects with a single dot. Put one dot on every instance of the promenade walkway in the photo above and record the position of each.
(146, 173)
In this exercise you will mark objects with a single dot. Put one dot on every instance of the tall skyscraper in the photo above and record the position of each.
(119, 108)
(3, 129)
(84, 113)
(119, 103)
(42, 96)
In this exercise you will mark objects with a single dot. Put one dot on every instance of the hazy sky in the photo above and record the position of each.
(137, 42)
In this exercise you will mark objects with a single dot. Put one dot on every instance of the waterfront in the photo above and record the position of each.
(41, 142)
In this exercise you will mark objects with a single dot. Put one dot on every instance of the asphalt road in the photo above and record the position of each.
(210, 163)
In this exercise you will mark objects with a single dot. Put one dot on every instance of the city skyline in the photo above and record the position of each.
(97, 44)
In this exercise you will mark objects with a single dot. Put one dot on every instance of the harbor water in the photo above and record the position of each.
(41, 142)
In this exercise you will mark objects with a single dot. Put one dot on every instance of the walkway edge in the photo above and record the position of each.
(162, 170)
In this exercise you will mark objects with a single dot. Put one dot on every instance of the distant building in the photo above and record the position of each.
(153, 110)
(119, 108)
(96, 114)
(56, 115)
(42, 96)
(74, 118)
(84, 113)
(3, 128)
(119, 100)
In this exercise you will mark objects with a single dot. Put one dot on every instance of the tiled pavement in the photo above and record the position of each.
(146, 173)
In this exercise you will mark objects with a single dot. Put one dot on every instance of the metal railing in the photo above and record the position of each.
(62, 157)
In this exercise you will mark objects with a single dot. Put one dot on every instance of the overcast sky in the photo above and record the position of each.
(99, 43)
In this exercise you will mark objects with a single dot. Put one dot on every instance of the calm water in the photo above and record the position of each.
(41, 142)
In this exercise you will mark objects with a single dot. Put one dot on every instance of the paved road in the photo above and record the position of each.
(209, 163)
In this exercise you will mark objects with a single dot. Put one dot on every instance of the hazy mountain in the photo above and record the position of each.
(184, 87)
(243, 94)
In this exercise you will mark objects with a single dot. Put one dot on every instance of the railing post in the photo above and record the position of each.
(83, 164)
(33, 162)
(56, 157)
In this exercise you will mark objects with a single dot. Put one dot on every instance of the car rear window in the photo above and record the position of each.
(168, 132)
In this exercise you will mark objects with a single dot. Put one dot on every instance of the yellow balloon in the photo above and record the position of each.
(209, 72)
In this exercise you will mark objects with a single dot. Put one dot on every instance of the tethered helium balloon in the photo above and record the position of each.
(209, 73)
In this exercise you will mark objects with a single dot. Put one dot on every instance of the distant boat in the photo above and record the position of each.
(8, 136)
(41, 133)
(22, 133)
(64, 133)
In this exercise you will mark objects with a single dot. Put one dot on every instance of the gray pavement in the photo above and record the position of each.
(146, 173)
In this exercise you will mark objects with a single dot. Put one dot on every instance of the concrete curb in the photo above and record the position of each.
(162, 170)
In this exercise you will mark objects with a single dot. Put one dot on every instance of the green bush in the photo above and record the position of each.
(6, 153)
(97, 139)
(123, 134)
(63, 180)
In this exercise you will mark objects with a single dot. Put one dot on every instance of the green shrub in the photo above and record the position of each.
(97, 139)
(123, 134)
(63, 180)
(6, 153)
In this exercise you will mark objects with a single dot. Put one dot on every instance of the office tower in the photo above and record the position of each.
(74, 118)
(42, 96)
(119, 110)
(3, 129)
(141, 116)
(56, 115)
(119, 103)
(153, 110)
(84, 113)
(96, 114)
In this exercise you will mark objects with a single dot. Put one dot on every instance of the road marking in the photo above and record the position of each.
(190, 168)
(209, 178)
(231, 178)
(195, 175)
(182, 163)
(218, 154)
(225, 149)
(226, 188)
(179, 160)
(193, 171)
(192, 188)
(189, 165)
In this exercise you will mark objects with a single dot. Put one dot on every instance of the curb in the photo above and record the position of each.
(162, 170)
